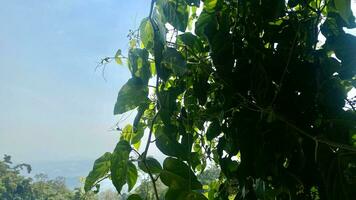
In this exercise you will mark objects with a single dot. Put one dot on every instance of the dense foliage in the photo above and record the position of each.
(248, 85)
(15, 186)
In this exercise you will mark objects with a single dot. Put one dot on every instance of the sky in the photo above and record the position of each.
(53, 105)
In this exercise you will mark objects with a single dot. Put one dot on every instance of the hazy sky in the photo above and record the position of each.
(53, 106)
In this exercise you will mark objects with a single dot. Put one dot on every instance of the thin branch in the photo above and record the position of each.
(138, 153)
(153, 180)
(150, 135)
(100, 180)
(316, 139)
(351, 104)
(142, 157)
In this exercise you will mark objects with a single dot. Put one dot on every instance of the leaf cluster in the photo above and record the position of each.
(246, 85)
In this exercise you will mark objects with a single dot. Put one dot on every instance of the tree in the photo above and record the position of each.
(249, 86)
(209, 175)
(146, 191)
(109, 195)
(14, 186)
(44, 188)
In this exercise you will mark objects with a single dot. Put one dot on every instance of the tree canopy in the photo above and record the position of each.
(15, 186)
(249, 85)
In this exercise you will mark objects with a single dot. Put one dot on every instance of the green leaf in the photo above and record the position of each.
(100, 169)
(177, 175)
(344, 9)
(134, 197)
(126, 133)
(174, 60)
(137, 145)
(131, 136)
(146, 33)
(133, 43)
(118, 57)
(131, 175)
(140, 111)
(209, 5)
(213, 131)
(152, 164)
(131, 95)
(159, 23)
(139, 64)
(206, 25)
(119, 164)
(170, 147)
(137, 134)
(330, 28)
(190, 41)
(176, 13)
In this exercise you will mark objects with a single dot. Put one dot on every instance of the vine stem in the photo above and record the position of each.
(148, 146)
(316, 139)
(302, 132)
(153, 180)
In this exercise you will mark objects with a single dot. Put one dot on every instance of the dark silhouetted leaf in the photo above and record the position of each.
(152, 164)
(131, 95)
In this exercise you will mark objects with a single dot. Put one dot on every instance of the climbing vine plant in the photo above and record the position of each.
(249, 85)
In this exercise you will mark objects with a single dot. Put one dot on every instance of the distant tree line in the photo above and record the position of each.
(15, 186)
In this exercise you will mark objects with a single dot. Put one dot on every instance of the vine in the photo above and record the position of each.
(247, 86)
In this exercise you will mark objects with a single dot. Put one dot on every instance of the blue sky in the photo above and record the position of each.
(53, 106)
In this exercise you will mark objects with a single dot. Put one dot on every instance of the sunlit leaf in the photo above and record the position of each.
(118, 57)
(131, 175)
(139, 64)
(127, 133)
(119, 164)
(100, 169)
(146, 33)
(209, 5)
